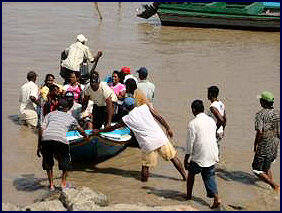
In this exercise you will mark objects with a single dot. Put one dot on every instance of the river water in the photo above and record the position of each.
(182, 62)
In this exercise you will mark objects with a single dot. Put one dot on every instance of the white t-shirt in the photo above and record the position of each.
(27, 90)
(221, 109)
(148, 133)
(75, 110)
(76, 53)
(201, 141)
(147, 88)
(99, 97)
(128, 76)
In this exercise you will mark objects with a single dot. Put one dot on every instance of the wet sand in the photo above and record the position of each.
(182, 62)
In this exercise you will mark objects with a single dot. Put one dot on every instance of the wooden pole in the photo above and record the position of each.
(97, 8)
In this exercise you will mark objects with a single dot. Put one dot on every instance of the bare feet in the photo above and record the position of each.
(52, 188)
(216, 203)
(277, 188)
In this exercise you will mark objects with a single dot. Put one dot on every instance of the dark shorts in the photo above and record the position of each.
(55, 149)
(261, 164)
(208, 176)
(99, 116)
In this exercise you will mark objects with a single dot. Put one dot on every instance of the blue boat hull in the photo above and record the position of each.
(99, 148)
(95, 151)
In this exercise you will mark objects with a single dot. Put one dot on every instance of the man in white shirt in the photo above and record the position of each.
(217, 112)
(28, 101)
(151, 138)
(202, 152)
(144, 85)
(103, 98)
(75, 109)
(75, 55)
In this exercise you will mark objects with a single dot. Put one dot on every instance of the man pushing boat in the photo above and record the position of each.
(151, 138)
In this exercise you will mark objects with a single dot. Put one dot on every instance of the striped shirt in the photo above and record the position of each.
(268, 122)
(56, 125)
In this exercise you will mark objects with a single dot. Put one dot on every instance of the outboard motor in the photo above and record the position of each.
(84, 72)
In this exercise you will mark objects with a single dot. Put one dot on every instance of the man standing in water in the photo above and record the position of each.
(202, 152)
(149, 135)
(217, 110)
(267, 126)
(28, 101)
(52, 140)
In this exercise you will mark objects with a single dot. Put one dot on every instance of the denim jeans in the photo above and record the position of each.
(208, 176)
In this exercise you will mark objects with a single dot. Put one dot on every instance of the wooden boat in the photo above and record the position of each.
(100, 148)
(235, 15)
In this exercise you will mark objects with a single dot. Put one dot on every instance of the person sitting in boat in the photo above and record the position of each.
(134, 92)
(117, 86)
(147, 87)
(28, 100)
(52, 141)
(52, 102)
(75, 109)
(103, 98)
(73, 57)
(75, 87)
(151, 138)
(49, 80)
(120, 91)
(126, 74)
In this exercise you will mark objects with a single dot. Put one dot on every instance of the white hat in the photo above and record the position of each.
(81, 38)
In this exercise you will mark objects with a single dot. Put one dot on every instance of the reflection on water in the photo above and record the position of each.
(182, 62)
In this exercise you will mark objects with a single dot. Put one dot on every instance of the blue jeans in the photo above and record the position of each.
(208, 176)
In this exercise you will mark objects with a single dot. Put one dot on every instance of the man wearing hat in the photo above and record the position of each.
(75, 109)
(151, 138)
(144, 85)
(104, 100)
(267, 140)
(74, 57)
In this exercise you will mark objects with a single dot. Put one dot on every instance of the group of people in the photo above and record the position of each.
(128, 101)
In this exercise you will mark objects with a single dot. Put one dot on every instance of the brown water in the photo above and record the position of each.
(182, 63)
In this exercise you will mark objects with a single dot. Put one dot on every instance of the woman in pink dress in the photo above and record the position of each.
(75, 87)
(118, 87)
(119, 90)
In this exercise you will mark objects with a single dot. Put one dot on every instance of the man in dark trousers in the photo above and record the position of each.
(103, 98)
(202, 152)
